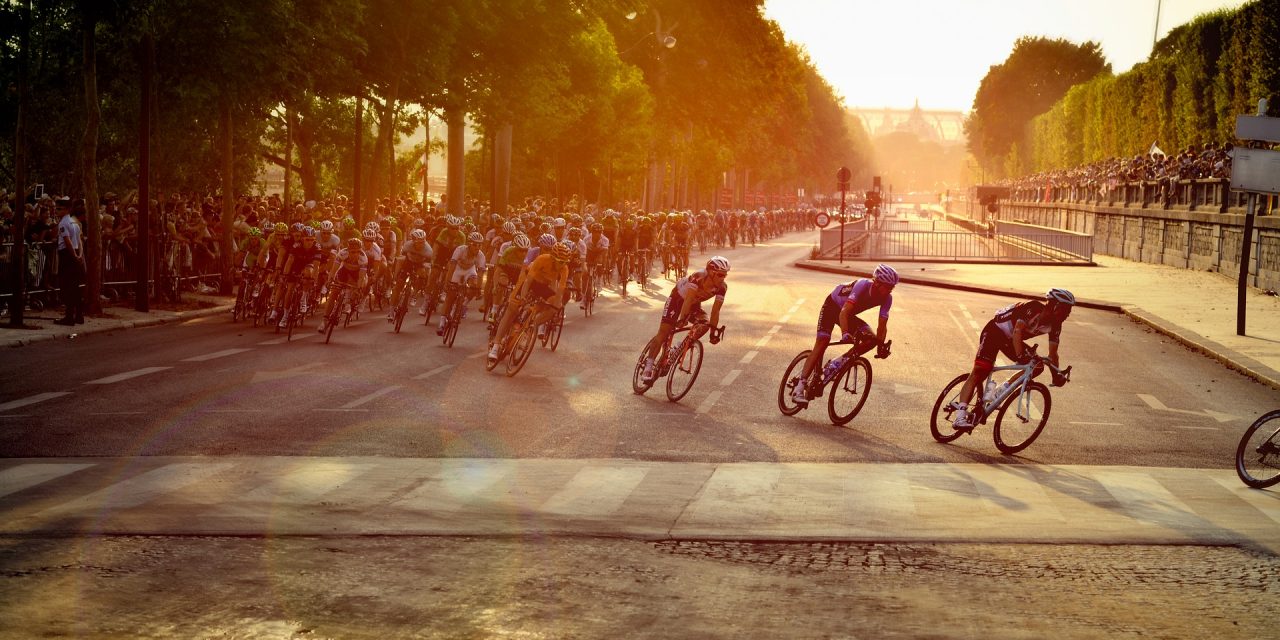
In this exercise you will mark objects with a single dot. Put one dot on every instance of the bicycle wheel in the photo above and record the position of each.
(790, 378)
(556, 328)
(451, 325)
(638, 386)
(402, 309)
(849, 392)
(940, 419)
(523, 346)
(684, 371)
(1027, 421)
(1258, 455)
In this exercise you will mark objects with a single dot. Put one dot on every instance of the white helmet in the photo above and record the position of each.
(369, 234)
(1061, 295)
(508, 227)
(718, 263)
(885, 274)
(546, 241)
(418, 234)
(521, 241)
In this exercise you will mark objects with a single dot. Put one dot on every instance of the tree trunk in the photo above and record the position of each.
(502, 181)
(456, 190)
(89, 173)
(142, 262)
(288, 154)
(228, 195)
(301, 130)
(357, 211)
(18, 266)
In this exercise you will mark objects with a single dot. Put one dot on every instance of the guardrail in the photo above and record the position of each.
(1024, 246)
(1212, 195)
(1061, 245)
(854, 238)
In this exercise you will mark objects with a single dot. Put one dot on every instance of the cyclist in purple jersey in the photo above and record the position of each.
(841, 307)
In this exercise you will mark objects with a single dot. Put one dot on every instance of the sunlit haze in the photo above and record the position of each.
(889, 54)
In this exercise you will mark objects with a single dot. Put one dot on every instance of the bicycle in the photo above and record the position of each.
(1258, 454)
(849, 376)
(554, 327)
(453, 315)
(343, 306)
(595, 275)
(519, 342)
(682, 360)
(1030, 400)
(407, 294)
(245, 296)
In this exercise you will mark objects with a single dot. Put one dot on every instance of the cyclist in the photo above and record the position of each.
(541, 283)
(597, 245)
(841, 307)
(1005, 334)
(350, 268)
(685, 303)
(626, 249)
(467, 263)
(415, 258)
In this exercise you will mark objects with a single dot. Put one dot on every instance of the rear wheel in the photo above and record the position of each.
(451, 324)
(556, 328)
(1025, 422)
(520, 351)
(941, 418)
(684, 371)
(638, 385)
(849, 392)
(791, 378)
(1258, 454)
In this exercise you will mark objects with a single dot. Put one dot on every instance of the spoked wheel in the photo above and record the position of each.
(520, 351)
(1258, 455)
(790, 378)
(684, 371)
(328, 329)
(849, 392)
(401, 310)
(556, 328)
(638, 385)
(1019, 422)
(941, 418)
(453, 319)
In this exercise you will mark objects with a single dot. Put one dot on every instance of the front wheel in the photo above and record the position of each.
(638, 385)
(684, 371)
(521, 349)
(791, 378)
(1258, 455)
(1027, 421)
(849, 392)
(941, 418)
(556, 328)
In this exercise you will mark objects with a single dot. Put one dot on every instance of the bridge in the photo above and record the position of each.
(939, 126)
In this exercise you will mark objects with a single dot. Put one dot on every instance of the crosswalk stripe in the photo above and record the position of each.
(371, 397)
(39, 397)
(595, 491)
(138, 490)
(454, 483)
(306, 481)
(128, 375)
(25, 476)
(1142, 496)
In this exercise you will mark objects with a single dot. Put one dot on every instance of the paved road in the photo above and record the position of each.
(210, 387)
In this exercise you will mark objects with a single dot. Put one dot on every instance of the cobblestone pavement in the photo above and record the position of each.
(457, 587)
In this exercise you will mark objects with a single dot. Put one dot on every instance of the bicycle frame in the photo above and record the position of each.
(1026, 371)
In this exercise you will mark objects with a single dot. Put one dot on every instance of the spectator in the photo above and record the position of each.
(70, 264)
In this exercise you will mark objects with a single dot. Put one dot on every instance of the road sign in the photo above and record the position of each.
(1256, 170)
(1257, 128)
(822, 219)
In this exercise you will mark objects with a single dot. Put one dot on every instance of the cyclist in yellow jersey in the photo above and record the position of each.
(541, 282)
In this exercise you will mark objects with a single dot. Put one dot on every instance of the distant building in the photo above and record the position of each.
(933, 126)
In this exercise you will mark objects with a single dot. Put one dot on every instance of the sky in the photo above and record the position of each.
(889, 53)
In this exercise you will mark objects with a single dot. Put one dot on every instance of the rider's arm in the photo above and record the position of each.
(715, 311)
(1017, 339)
(882, 331)
(686, 308)
(1053, 353)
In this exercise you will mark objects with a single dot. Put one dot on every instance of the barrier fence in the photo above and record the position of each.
(1210, 195)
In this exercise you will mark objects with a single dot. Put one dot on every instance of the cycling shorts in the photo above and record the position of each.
(992, 342)
(829, 317)
(671, 310)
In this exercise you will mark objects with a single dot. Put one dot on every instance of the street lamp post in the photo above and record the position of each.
(663, 40)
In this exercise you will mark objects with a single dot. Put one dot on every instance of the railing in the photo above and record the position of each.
(854, 237)
(1063, 246)
(1023, 246)
(1211, 195)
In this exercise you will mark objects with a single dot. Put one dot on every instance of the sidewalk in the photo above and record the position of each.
(1195, 308)
(114, 318)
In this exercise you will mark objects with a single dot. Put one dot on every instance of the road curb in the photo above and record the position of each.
(1247, 366)
(117, 325)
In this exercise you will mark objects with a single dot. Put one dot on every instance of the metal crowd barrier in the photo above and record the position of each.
(1022, 246)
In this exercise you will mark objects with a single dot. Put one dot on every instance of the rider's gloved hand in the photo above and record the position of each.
(1025, 357)
(882, 351)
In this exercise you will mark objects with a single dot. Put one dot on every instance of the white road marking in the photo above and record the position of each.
(478, 354)
(967, 335)
(1156, 404)
(216, 354)
(709, 402)
(595, 491)
(120, 377)
(117, 413)
(424, 376)
(275, 341)
(39, 397)
(751, 355)
(902, 389)
(765, 340)
(776, 328)
(1181, 426)
(1099, 424)
(730, 377)
(138, 490)
(784, 319)
(24, 476)
(234, 410)
(371, 397)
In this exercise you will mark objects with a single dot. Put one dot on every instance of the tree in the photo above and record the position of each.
(1036, 74)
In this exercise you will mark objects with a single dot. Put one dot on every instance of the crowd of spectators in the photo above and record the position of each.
(1098, 178)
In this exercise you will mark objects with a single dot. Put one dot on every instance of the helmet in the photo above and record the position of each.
(418, 222)
(558, 222)
(369, 234)
(314, 224)
(475, 237)
(467, 228)
(309, 232)
(373, 225)
(885, 273)
(255, 232)
(391, 220)
(546, 240)
(560, 253)
(575, 232)
(452, 221)
(521, 241)
(282, 227)
(718, 263)
(544, 228)
(353, 243)
(326, 226)
(418, 234)
(348, 222)
(1062, 296)
(508, 227)
(298, 226)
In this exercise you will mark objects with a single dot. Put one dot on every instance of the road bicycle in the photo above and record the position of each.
(407, 294)
(679, 363)
(1021, 405)
(453, 315)
(342, 306)
(519, 342)
(550, 336)
(848, 375)
(1258, 454)
(246, 297)
(595, 278)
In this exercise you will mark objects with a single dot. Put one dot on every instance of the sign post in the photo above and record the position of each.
(1255, 171)
(842, 177)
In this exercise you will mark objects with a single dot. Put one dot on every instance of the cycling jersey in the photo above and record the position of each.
(350, 265)
(860, 293)
(446, 242)
(595, 246)
(691, 286)
(374, 251)
(627, 239)
(1029, 315)
(468, 264)
(302, 255)
(546, 275)
(680, 231)
(253, 248)
(416, 256)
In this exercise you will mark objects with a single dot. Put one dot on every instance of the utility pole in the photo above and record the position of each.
(1254, 171)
